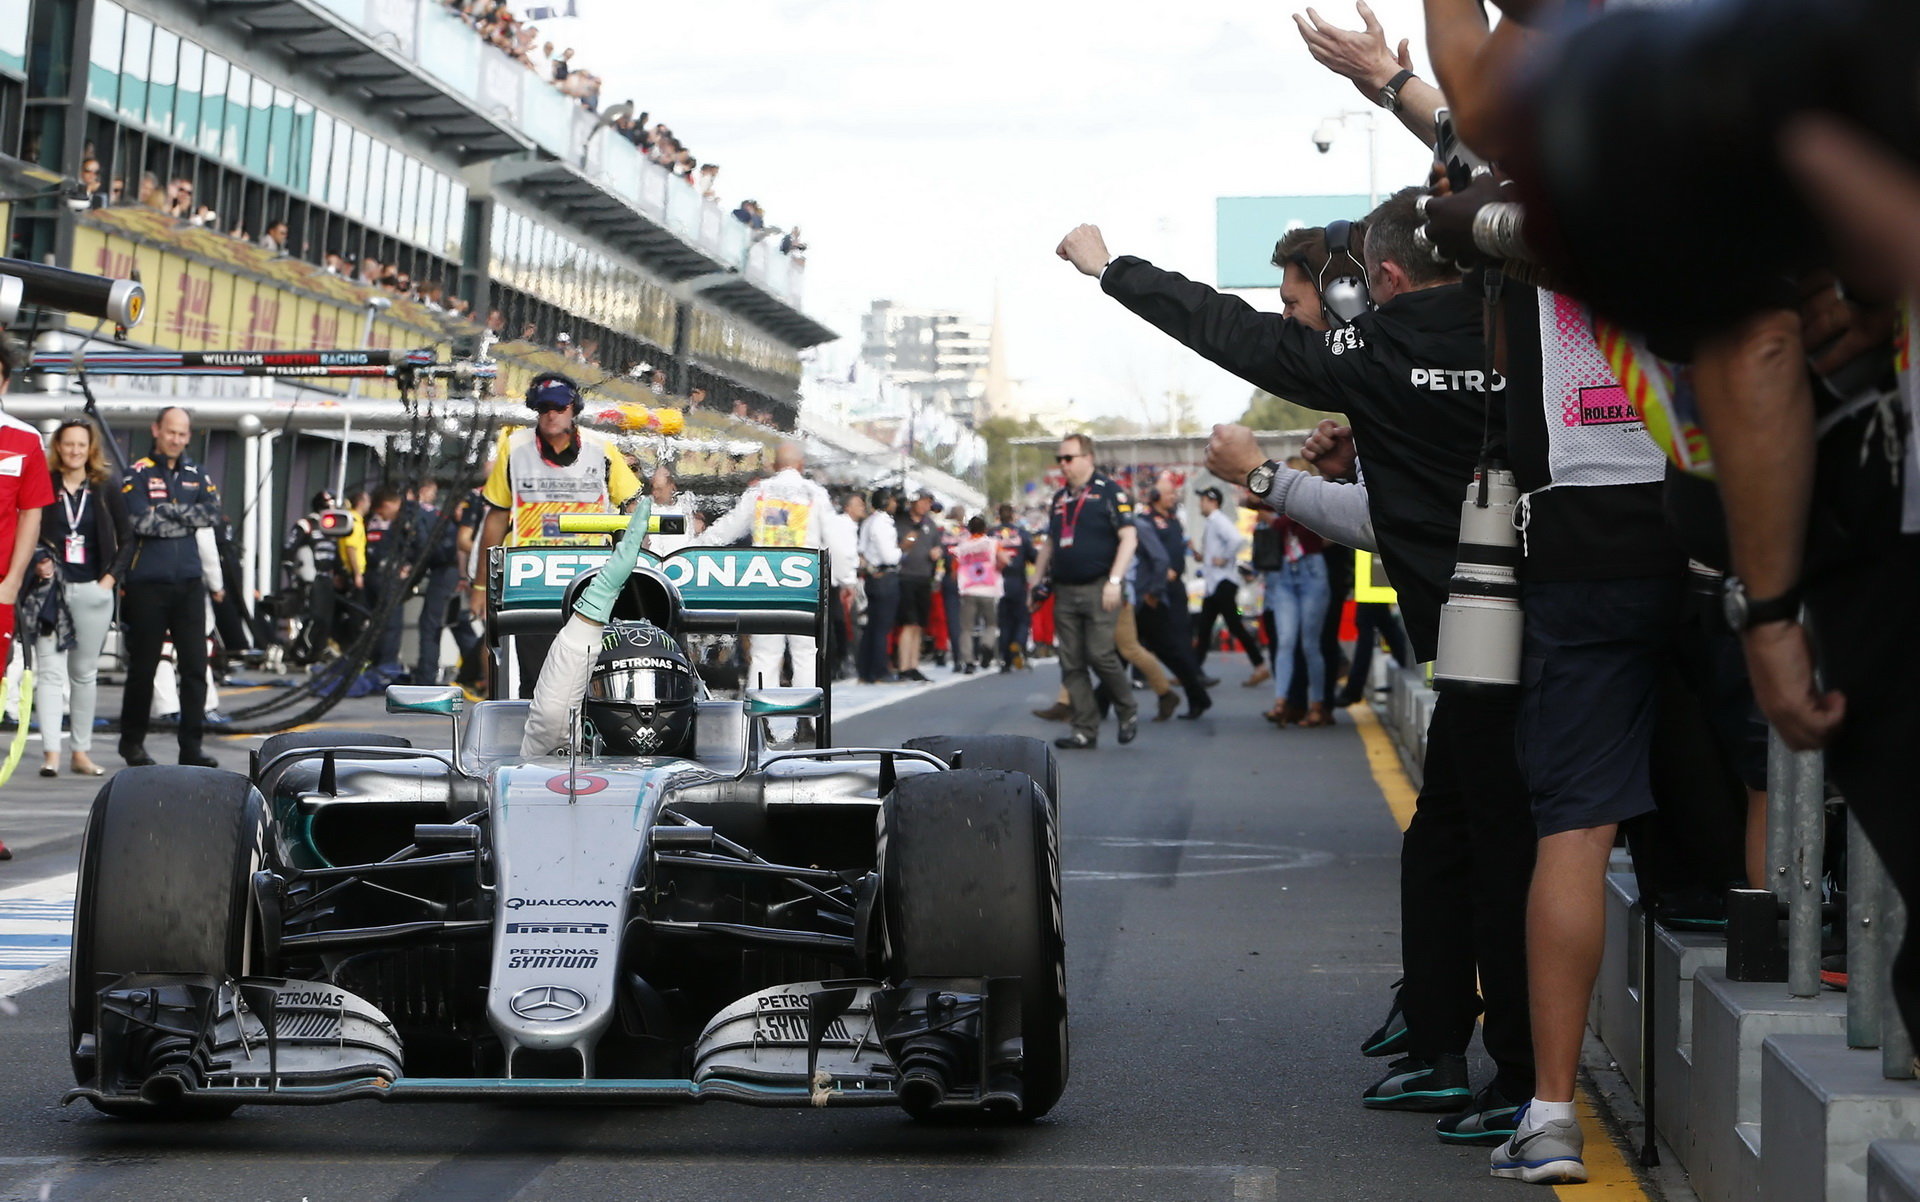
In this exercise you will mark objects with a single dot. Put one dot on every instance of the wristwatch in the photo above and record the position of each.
(1743, 613)
(1389, 96)
(1260, 479)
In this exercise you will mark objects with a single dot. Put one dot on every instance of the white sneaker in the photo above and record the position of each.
(1542, 1154)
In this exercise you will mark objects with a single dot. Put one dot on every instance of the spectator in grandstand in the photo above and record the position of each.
(709, 181)
(562, 65)
(275, 239)
(790, 243)
(179, 197)
(151, 194)
(70, 605)
(90, 176)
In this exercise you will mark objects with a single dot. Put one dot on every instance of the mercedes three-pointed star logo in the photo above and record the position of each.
(548, 1003)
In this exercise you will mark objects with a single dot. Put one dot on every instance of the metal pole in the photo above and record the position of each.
(1866, 946)
(1808, 855)
(1779, 807)
(1373, 162)
(1896, 1042)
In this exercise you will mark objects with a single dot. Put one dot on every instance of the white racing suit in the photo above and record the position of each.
(562, 685)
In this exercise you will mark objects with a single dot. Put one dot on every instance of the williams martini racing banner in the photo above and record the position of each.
(723, 578)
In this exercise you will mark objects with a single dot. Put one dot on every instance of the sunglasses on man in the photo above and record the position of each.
(1068, 458)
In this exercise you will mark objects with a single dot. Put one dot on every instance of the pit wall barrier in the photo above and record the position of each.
(1764, 1090)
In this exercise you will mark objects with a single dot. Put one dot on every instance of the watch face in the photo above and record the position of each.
(1733, 604)
(1260, 479)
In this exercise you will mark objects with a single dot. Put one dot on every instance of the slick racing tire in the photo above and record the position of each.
(1013, 753)
(970, 887)
(293, 740)
(166, 870)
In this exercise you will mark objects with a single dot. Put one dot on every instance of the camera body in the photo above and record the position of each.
(1481, 622)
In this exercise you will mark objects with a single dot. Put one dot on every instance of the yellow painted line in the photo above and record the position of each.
(1384, 762)
(1608, 1170)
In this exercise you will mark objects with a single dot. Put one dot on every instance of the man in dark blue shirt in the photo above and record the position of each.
(1090, 546)
(1166, 625)
(170, 567)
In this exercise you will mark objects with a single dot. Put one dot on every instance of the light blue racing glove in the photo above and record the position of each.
(596, 600)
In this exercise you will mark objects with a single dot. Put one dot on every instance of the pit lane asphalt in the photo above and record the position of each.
(1232, 927)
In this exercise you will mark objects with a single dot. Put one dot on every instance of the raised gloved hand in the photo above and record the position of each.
(596, 600)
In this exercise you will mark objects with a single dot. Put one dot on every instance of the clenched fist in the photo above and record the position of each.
(1085, 248)
(1232, 452)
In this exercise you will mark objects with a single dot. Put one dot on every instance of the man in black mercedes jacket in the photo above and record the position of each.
(1412, 377)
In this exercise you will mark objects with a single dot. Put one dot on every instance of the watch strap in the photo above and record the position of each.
(1389, 96)
(1783, 608)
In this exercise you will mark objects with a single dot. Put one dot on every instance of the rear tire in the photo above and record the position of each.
(165, 885)
(970, 887)
(1013, 753)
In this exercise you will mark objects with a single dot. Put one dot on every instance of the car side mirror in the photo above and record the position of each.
(785, 703)
(425, 699)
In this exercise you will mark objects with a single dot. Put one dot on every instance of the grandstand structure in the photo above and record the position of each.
(382, 130)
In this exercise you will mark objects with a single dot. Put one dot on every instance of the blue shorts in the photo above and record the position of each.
(1591, 664)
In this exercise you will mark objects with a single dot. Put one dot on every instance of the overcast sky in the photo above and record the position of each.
(934, 152)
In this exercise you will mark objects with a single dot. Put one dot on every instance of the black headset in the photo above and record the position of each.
(1345, 296)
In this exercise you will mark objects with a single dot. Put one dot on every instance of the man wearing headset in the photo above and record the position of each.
(1401, 353)
(554, 467)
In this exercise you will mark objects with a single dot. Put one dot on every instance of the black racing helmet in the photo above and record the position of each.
(641, 695)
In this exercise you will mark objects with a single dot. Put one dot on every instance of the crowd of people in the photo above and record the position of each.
(520, 40)
(1492, 334)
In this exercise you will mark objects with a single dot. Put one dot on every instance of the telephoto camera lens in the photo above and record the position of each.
(1480, 623)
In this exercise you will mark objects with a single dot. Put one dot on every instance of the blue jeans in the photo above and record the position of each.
(1297, 597)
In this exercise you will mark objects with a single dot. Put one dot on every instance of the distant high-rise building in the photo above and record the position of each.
(934, 357)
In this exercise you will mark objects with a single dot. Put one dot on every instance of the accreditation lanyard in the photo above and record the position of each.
(1069, 525)
(75, 551)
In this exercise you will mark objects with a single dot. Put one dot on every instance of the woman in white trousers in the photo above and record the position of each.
(79, 535)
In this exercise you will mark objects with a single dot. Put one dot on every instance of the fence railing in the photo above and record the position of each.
(1876, 917)
(427, 34)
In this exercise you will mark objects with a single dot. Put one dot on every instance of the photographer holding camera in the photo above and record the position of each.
(1412, 376)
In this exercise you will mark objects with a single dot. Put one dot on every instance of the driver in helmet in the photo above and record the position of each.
(631, 678)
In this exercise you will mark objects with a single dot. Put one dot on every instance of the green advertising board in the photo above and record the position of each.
(718, 578)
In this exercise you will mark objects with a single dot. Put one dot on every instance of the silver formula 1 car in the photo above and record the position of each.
(783, 926)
